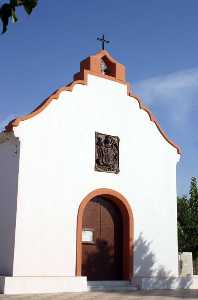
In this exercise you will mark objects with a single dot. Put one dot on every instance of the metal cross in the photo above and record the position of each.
(103, 41)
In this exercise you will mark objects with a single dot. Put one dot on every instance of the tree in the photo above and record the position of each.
(8, 10)
(187, 217)
(183, 223)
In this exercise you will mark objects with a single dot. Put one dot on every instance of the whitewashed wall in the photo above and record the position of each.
(57, 171)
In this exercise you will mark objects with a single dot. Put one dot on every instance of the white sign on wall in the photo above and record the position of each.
(87, 236)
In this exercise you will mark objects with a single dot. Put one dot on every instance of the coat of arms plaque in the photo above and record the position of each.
(106, 153)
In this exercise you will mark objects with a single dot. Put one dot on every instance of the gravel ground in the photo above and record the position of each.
(135, 295)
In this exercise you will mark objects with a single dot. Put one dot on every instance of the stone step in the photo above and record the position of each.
(108, 286)
(112, 289)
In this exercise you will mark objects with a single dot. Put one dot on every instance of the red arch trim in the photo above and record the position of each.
(128, 229)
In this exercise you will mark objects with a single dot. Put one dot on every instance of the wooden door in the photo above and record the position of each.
(102, 240)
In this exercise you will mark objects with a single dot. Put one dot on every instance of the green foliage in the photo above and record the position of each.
(187, 209)
(183, 222)
(8, 10)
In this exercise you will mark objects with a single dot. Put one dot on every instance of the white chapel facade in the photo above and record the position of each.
(88, 188)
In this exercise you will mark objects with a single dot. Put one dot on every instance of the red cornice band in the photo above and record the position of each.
(91, 66)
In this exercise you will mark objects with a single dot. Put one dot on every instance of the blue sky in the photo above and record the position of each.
(156, 40)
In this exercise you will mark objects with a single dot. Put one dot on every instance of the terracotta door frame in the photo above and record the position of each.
(128, 228)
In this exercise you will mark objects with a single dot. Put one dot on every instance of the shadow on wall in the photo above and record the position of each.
(99, 265)
(149, 277)
(9, 162)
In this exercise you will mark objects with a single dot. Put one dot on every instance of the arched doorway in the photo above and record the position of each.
(102, 240)
(110, 244)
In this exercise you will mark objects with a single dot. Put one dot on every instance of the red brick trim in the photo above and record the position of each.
(43, 105)
(128, 229)
(152, 118)
(91, 66)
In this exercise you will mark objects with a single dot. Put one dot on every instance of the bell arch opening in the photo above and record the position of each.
(107, 67)
(122, 204)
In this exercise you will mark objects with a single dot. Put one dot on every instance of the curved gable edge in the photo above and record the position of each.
(55, 95)
(153, 119)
